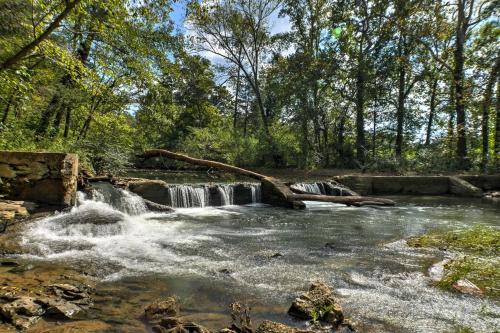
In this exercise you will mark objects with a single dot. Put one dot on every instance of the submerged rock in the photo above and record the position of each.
(60, 309)
(156, 207)
(60, 301)
(268, 326)
(22, 312)
(318, 304)
(26, 306)
(77, 295)
(162, 308)
(162, 316)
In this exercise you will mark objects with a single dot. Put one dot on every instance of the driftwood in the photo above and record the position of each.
(274, 191)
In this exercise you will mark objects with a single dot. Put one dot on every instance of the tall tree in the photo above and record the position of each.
(367, 33)
(224, 28)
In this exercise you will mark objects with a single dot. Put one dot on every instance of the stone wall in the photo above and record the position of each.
(46, 178)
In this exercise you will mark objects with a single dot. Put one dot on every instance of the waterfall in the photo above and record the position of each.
(325, 188)
(188, 196)
(308, 187)
(178, 196)
(256, 193)
(226, 194)
(120, 199)
(185, 196)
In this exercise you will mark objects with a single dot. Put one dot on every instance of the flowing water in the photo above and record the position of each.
(266, 256)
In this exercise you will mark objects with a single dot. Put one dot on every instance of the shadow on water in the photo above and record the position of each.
(212, 256)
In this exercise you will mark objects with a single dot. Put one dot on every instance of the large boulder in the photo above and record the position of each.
(47, 178)
(152, 190)
(317, 304)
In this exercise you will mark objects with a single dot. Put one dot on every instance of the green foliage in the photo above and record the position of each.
(115, 78)
(220, 143)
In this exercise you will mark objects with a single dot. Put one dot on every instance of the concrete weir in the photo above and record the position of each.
(44, 178)
(466, 186)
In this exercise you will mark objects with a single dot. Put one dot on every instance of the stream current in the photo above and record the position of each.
(266, 256)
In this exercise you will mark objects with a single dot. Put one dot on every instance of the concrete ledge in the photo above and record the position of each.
(470, 186)
(484, 182)
(46, 178)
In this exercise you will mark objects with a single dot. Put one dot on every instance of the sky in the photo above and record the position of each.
(178, 15)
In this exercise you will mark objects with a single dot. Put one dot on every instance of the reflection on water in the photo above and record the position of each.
(359, 251)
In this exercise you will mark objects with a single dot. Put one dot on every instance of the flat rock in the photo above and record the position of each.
(466, 287)
(60, 308)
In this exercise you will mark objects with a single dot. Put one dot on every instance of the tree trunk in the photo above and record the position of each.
(400, 113)
(304, 142)
(347, 200)
(360, 114)
(7, 108)
(374, 133)
(497, 124)
(341, 138)
(67, 123)
(485, 107)
(237, 93)
(451, 124)
(49, 112)
(458, 80)
(277, 192)
(12, 60)
(432, 111)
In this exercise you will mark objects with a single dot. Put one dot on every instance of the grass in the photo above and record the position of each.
(479, 240)
(483, 272)
(480, 260)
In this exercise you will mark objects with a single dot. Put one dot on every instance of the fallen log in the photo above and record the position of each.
(198, 161)
(347, 200)
(274, 192)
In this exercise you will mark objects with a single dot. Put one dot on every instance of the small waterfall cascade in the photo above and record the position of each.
(120, 199)
(324, 188)
(226, 194)
(311, 188)
(186, 196)
(178, 196)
